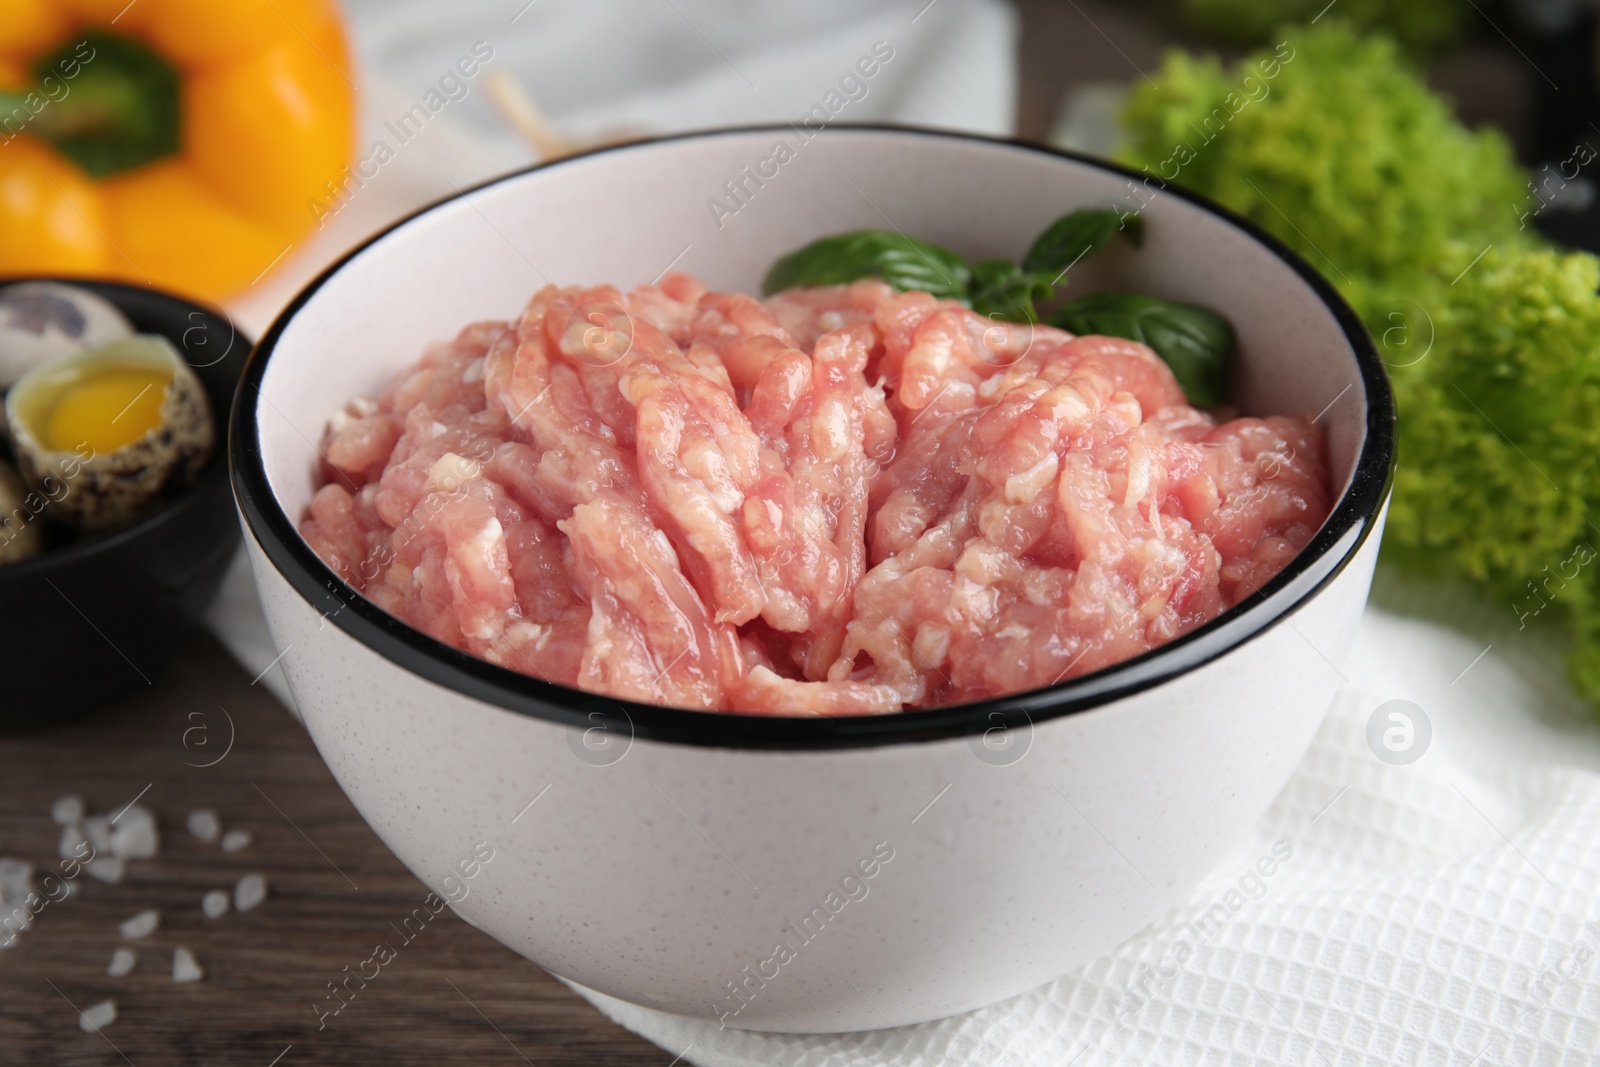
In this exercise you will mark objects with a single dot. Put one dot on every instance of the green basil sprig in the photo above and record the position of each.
(1002, 290)
(1078, 235)
(904, 262)
(1195, 342)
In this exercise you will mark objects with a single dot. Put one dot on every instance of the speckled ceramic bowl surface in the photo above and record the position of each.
(807, 874)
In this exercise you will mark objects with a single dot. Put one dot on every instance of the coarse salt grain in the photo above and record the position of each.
(215, 903)
(204, 824)
(234, 840)
(98, 830)
(68, 809)
(141, 925)
(14, 918)
(184, 966)
(97, 1017)
(134, 835)
(105, 868)
(122, 961)
(16, 889)
(73, 845)
(251, 890)
(16, 874)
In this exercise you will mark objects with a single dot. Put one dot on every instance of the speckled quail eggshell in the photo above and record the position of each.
(20, 538)
(109, 490)
(42, 321)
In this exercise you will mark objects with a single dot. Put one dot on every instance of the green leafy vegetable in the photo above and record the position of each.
(1003, 290)
(1500, 420)
(1196, 343)
(1333, 144)
(904, 262)
(1072, 237)
(1492, 338)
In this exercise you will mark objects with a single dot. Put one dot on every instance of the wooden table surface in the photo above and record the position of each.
(451, 995)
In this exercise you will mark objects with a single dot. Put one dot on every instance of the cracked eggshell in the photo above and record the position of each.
(20, 538)
(43, 321)
(99, 491)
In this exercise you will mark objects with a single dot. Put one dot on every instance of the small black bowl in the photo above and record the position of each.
(86, 622)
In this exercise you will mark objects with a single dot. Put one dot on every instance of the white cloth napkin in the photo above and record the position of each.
(660, 65)
(1442, 913)
(608, 67)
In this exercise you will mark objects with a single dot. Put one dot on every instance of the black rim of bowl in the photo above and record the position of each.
(1355, 511)
(153, 525)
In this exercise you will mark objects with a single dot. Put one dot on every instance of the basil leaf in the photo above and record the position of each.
(1196, 343)
(1072, 237)
(904, 262)
(1003, 290)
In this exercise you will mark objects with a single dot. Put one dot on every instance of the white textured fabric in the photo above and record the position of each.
(610, 67)
(666, 65)
(1443, 913)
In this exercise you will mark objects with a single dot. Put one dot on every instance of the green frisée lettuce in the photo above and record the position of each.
(1332, 143)
(1492, 338)
(1499, 458)
(1196, 343)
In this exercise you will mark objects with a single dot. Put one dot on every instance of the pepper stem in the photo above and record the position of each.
(105, 102)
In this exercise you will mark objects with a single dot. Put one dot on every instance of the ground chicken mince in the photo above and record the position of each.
(836, 501)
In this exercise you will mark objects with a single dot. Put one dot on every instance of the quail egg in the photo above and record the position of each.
(42, 321)
(107, 433)
(19, 534)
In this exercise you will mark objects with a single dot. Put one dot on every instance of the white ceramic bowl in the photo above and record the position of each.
(663, 856)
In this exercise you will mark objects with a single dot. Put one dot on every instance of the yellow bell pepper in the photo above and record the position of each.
(174, 143)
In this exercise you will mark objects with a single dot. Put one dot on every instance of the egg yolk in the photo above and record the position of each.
(107, 411)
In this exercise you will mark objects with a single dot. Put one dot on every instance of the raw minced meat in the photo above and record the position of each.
(836, 501)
